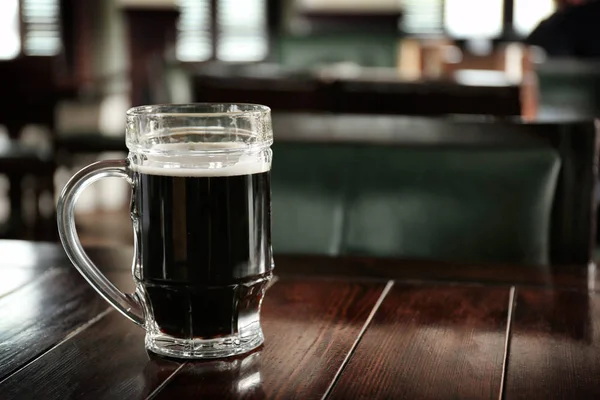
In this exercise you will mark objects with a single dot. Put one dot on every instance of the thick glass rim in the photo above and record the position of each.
(212, 110)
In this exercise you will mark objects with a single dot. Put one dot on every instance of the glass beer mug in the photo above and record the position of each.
(200, 176)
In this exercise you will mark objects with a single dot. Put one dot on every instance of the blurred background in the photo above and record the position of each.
(69, 69)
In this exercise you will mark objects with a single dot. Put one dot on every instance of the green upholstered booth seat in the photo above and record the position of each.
(468, 188)
(459, 203)
(308, 201)
(569, 87)
(453, 204)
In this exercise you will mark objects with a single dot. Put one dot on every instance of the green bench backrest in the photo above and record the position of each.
(443, 202)
(579, 94)
(570, 86)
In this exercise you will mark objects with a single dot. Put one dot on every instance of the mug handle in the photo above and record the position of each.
(128, 304)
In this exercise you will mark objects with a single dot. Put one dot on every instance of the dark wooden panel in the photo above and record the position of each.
(339, 22)
(107, 360)
(431, 343)
(425, 98)
(41, 314)
(309, 328)
(150, 31)
(292, 94)
(365, 94)
(555, 346)
(78, 35)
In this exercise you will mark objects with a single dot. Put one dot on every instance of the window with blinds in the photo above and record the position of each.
(10, 40)
(423, 17)
(241, 26)
(242, 30)
(194, 41)
(456, 17)
(471, 19)
(41, 27)
(527, 14)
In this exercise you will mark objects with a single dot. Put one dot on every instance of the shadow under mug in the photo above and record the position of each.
(201, 213)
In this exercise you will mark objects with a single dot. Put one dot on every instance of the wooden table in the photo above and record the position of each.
(344, 328)
(378, 91)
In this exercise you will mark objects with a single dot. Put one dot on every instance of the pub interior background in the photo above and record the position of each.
(69, 70)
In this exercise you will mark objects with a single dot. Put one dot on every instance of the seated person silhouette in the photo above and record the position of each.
(572, 31)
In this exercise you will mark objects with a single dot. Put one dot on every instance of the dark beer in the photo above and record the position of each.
(204, 249)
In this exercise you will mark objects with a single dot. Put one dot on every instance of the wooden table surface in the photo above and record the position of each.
(345, 328)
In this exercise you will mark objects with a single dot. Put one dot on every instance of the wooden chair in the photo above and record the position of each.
(29, 86)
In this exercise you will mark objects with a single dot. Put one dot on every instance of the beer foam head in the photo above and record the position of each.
(203, 160)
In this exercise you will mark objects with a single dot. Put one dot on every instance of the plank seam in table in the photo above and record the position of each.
(165, 382)
(509, 318)
(382, 296)
(340, 371)
(355, 341)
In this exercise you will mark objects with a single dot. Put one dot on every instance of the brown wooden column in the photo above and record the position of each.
(150, 32)
(77, 29)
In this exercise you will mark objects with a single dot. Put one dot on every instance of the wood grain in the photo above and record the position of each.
(428, 342)
(557, 276)
(12, 278)
(107, 360)
(37, 255)
(309, 328)
(39, 315)
(555, 346)
(44, 256)
(289, 265)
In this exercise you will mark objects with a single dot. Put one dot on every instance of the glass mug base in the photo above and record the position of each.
(201, 332)
(168, 346)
